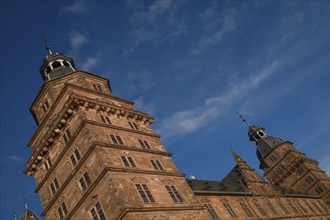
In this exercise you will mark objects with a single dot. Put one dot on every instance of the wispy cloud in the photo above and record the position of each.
(77, 39)
(188, 121)
(89, 63)
(78, 7)
(144, 106)
(216, 27)
(164, 13)
(15, 158)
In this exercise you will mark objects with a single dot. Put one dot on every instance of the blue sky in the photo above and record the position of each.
(190, 64)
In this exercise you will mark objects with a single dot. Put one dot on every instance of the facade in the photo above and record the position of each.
(95, 157)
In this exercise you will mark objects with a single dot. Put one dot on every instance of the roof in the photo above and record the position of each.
(28, 214)
(232, 183)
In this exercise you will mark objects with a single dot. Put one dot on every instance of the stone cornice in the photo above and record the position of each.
(123, 214)
(97, 181)
(66, 113)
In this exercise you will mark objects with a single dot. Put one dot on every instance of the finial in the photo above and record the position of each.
(244, 120)
(47, 45)
(15, 216)
(25, 202)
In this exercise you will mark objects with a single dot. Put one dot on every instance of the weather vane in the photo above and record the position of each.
(244, 120)
(47, 45)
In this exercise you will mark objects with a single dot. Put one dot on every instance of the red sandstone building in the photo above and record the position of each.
(95, 157)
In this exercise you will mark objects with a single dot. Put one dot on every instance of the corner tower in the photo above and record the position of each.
(95, 157)
(285, 167)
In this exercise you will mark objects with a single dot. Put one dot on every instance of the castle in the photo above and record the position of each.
(95, 157)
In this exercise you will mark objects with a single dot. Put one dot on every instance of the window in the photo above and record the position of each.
(283, 207)
(261, 210)
(272, 157)
(174, 194)
(246, 210)
(300, 170)
(144, 193)
(156, 164)
(85, 181)
(67, 136)
(62, 210)
(128, 161)
(48, 163)
(116, 139)
(211, 211)
(252, 176)
(45, 106)
(105, 119)
(75, 157)
(309, 180)
(56, 64)
(54, 186)
(144, 144)
(229, 210)
(319, 190)
(97, 212)
(133, 125)
(272, 208)
(97, 87)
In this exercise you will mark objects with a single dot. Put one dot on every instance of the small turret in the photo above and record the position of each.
(55, 65)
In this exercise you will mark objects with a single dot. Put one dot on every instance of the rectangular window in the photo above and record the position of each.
(144, 193)
(300, 170)
(75, 157)
(48, 163)
(246, 210)
(128, 161)
(116, 139)
(261, 210)
(272, 208)
(319, 190)
(45, 106)
(62, 210)
(156, 164)
(54, 186)
(174, 194)
(97, 212)
(97, 87)
(211, 211)
(105, 119)
(144, 144)
(133, 125)
(67, 136)
(85, 181)
(229, 210)
(309, 180)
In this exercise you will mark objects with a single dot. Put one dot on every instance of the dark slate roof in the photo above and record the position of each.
(232, 183)
(293, 193)
(28, 214)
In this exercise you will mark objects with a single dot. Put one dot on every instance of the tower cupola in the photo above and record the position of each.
(264, 142)
(55, 65)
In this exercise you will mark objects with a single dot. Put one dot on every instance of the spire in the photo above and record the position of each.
(25, 202)
(48, 48)
(243, 119)
(15, 216)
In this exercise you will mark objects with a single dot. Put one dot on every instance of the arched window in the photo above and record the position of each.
(56, 64)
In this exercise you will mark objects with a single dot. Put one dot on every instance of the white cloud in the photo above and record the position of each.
(77, 40)
(15, 158)
(90, 62)
(78, 7)
(141, 105)
(188, 121)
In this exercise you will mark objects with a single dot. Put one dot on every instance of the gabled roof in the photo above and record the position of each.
(28, 214)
